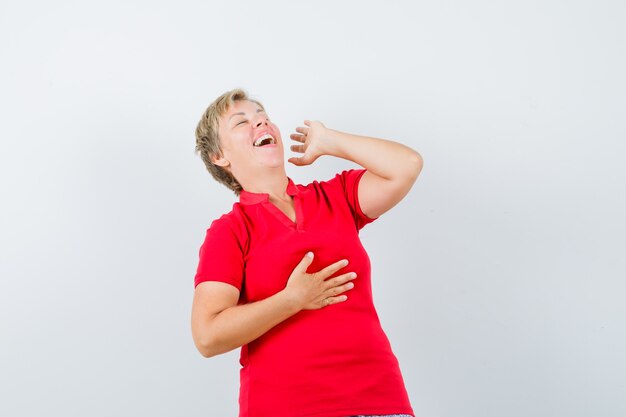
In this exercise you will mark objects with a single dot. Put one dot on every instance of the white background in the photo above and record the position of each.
(499, 279)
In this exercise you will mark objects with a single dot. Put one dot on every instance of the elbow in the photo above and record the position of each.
(206, 350)
(206, 353)
(208, 338)
(202, 347)
(415, 165)
(205, 345)
(408, 169)
(209, 346)
(417, 160)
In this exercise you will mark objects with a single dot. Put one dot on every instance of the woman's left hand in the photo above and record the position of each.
(315, 142)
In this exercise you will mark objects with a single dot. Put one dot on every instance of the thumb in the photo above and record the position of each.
(295, 161)
(306, 261)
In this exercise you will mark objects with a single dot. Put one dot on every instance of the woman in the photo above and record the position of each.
(284, 276)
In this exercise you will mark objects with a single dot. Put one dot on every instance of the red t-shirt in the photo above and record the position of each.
(332, 362)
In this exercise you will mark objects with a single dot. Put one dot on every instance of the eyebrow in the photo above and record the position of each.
(243, 114)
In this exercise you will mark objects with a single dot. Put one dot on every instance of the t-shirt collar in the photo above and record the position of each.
(247, 197)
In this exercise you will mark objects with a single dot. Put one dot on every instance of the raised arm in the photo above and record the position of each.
(392, 168)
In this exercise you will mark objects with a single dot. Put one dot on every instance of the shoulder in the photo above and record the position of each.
(343, 187)
(341, 181)
(230, 225)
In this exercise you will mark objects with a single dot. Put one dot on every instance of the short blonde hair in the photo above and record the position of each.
(207, 137)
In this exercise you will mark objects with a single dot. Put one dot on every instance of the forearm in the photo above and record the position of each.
(385, 158)
(241, 324)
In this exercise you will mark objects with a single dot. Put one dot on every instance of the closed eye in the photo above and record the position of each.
(244, 121)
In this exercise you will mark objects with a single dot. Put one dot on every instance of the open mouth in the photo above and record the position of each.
(264, 140)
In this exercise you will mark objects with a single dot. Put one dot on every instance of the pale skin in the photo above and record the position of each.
(218, 323)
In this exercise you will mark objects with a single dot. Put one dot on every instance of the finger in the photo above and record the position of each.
(340, 289)
(298, 148)
(332, 268)
(333, 300)
(303, 130)
(341, 279)
(307, 122)
(299, 138)
(300, 161)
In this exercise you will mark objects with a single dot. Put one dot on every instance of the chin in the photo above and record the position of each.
(276, 164)
(276, 161)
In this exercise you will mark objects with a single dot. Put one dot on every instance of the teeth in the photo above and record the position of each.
(265, 136)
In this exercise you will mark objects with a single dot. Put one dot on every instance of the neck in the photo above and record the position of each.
(273, 182)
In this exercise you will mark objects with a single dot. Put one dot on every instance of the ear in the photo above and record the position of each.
(220, 161)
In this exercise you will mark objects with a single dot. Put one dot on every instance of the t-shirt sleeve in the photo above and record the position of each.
(221, 256)
(349, 183)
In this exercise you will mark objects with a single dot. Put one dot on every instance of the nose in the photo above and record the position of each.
(262, 120)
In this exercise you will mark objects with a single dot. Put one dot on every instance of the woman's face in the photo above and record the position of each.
(239, 128)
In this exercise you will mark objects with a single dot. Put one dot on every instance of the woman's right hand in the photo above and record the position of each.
(313, 291)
